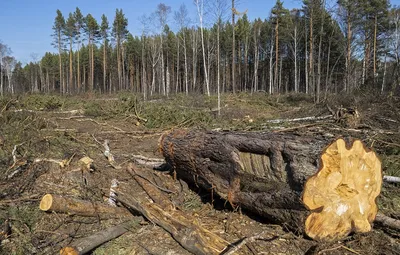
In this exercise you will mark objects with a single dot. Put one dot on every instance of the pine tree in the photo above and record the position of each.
(104, 31)
(92, 31)
(119, 32)
(58, 28)
(79, 24)
(70, 33)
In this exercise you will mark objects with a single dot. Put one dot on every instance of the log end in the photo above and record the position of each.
(46, 202)
(342, 194)
(69, 251)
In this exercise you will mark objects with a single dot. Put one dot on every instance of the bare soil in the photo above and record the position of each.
(53, 128)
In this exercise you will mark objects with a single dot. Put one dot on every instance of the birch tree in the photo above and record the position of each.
(182, 19)
(4, 50)
(200, 12)
(162, 15)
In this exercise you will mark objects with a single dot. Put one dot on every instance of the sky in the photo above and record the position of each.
(26, 25)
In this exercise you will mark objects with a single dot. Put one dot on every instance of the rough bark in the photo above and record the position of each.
(261, 172)
(60, 204)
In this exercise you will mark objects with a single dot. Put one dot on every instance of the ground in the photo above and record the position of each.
(37, 131)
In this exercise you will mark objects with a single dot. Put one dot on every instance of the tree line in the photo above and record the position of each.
(321, 48)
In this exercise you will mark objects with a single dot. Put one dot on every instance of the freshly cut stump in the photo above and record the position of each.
(266, 173)
(342, 194)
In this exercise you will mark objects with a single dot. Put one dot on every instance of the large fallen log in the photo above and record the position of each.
(266, 174)
(73, 206)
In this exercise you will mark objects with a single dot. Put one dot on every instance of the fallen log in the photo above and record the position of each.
(73, 206)
(183, 227)
(86, 244)
(266, 174)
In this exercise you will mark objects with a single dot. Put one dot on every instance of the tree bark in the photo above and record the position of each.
(56, 203)
(233, 48)
(87, 244)
(263, 173)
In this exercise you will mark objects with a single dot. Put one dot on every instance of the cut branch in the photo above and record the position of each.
(87, 244)
(73, 206)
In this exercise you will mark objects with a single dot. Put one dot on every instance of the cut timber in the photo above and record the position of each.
(87, 244)
(342, 194)
(262, 172)
(60, 204)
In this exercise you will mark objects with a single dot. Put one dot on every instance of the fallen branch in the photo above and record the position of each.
(233, 248)
(87, 244)
(310, 118)
(391, 179)
(387, 221)
(60, 204)
(151, 162)
(135, 174)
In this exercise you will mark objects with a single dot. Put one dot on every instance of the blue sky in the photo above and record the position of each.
(26, 25)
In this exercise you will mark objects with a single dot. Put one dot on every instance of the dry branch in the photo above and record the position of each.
(388, 222)
(87, 244)
(310, 118)
(391, 179)
(183, 227)
(73, 206)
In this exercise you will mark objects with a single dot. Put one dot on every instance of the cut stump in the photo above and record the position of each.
(266, 173)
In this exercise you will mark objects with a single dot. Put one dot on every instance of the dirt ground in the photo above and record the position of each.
(38, 132)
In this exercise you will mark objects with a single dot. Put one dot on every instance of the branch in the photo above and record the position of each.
(233, 248)
(391, 179)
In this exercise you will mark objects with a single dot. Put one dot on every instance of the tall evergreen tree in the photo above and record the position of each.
(58, 28)
(119, 32)
(92, 31)
(104, 31)
(70, 33)
(79, 24)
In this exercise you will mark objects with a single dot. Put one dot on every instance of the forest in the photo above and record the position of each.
(324, 47)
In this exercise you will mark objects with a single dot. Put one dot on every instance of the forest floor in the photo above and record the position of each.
(37, 131)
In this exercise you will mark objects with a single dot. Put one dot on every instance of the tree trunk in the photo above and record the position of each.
(233, 48)
(296, 83)
(60, 64)
(186, 65)
(348, 59)
(375, 38)
(264, 173)
(306, 74)
(218, 69)
(105, 65)
(276, 84)
(271, 68)
(71, 75)
(60, 204)
(311, 53)
(318, 85)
